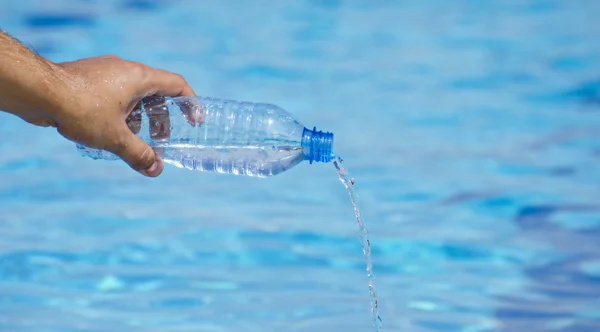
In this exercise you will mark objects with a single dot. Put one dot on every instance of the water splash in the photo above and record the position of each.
(348, 182)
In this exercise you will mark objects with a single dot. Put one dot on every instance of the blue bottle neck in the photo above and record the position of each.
(317, 145)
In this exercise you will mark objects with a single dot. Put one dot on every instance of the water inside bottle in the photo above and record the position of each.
(348, 182)
(250, 160)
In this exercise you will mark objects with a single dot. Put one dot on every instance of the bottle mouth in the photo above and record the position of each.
(318, 145)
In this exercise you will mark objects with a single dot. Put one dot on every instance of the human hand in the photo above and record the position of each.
(89, 100)
(102, 92)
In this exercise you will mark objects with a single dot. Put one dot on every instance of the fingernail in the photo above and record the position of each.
(155, 169)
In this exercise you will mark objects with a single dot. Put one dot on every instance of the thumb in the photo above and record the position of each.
(138, 155)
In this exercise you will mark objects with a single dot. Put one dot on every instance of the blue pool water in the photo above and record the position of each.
(472, 129)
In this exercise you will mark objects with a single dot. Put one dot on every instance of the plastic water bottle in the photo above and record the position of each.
(224, 136)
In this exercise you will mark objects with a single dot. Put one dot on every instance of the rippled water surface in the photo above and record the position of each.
(472, 129)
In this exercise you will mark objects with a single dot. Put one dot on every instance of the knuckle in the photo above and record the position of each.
(137, 68)
(118, 144)
(144, 160)
(109, 57)
(137, 158)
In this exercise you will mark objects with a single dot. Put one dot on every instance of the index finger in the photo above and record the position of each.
(164, 83)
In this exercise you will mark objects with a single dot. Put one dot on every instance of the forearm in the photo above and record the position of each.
(30, 86)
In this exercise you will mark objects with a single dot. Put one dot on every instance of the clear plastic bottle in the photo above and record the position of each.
(224, 136)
